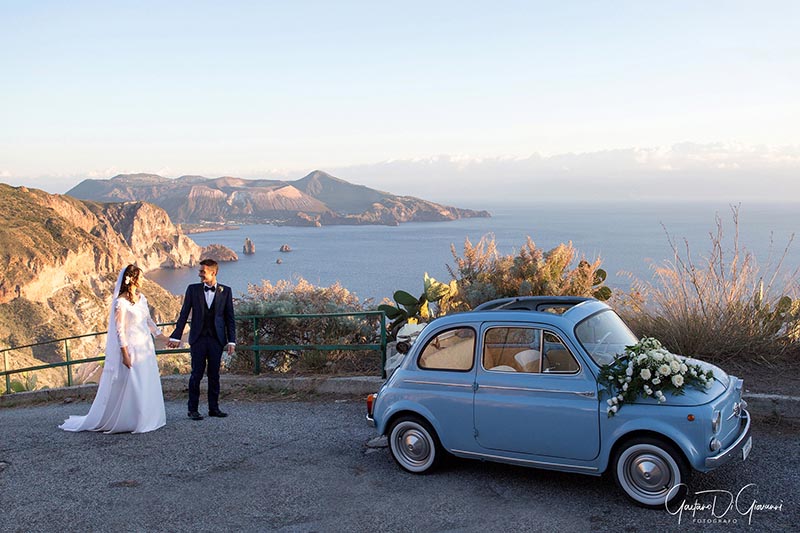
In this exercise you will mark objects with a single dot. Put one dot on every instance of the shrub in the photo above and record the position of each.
(483, 274)
(286, 298)
(719, 306)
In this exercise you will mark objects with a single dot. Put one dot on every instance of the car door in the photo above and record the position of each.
(532, 395)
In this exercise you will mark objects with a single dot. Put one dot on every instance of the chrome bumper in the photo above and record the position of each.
(734, 449)
(370, 421)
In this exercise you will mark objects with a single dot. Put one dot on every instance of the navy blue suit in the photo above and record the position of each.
(212, 329)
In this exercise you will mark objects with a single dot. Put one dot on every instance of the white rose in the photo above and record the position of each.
(708, 385)
(609, 402)
(648, 390)
(629, 371)
(677, 380)
(664, 370)
(684, 368)
(641, 359)
(675, 367)
(614, 409)
(656, 381)
(625, 387)
(645, 373)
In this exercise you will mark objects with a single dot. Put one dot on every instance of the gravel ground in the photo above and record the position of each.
(303, 465)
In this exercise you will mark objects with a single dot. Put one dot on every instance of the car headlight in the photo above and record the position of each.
(716, 421)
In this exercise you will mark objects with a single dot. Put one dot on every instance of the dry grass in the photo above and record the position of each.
(721, 306)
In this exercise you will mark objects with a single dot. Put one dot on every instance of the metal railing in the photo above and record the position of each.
(256, 348)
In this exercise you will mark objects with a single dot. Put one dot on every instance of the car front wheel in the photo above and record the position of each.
(651, 472)
(414, 445)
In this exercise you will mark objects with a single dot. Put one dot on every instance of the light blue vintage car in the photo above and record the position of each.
(516, 381)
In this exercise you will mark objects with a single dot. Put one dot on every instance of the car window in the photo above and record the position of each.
(604, 335)
(556, 357)
(453, 349)
(526, 350)
(512, 349)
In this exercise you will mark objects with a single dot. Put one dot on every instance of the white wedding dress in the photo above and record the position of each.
(129, 400)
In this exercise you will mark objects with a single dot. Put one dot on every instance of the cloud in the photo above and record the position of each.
(682, 172)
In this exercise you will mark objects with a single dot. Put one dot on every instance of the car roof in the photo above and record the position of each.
(567, 310)
(532, 303)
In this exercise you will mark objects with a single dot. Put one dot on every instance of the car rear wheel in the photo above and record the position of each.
(414, 444)
(651, 472)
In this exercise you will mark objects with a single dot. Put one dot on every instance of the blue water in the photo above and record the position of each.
(374, 261)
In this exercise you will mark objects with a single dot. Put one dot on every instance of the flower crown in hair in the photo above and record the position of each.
(127, 280)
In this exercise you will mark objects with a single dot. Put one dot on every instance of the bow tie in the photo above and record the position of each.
(207, 288)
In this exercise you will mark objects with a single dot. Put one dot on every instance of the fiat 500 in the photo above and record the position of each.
(517, 381)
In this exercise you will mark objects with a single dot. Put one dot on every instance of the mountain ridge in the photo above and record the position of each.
(315, 199)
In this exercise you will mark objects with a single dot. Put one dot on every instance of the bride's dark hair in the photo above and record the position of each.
(129, 277)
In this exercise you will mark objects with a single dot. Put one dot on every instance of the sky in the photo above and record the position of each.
(447, 100)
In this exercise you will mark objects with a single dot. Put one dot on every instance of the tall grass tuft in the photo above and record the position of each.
(721, 306)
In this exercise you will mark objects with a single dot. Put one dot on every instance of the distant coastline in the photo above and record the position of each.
(205, 228)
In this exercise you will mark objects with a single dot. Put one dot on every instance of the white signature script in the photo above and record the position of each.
(722, 501)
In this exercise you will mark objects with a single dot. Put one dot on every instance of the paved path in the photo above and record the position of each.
(303, 466)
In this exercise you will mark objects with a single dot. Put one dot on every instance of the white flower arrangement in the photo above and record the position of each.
(648, 369)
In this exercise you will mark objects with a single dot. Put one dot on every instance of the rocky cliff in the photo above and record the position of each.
(59, 258)
(316, 199)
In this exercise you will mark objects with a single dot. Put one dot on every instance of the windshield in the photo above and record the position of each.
(604, 336)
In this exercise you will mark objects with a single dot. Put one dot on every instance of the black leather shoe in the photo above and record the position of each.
(217, 413)
(194, 415)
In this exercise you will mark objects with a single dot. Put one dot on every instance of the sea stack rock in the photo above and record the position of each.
(249, 247)
(285, 248)
(218, 253)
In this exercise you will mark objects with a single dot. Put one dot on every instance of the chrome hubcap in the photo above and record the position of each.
(649, 473)
(415, 446)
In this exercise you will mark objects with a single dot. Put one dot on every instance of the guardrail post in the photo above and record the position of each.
(256, 352)
(5, 369)
(69, 366)
(383, 345)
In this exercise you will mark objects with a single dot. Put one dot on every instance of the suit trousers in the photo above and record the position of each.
(206, 354)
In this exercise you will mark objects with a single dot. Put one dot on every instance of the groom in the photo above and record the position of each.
(213, 328)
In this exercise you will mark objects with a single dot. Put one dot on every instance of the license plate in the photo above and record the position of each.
(746, 448)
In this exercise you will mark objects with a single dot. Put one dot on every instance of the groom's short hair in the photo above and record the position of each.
(210, 263)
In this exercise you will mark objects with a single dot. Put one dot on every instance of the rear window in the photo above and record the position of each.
(453, 349)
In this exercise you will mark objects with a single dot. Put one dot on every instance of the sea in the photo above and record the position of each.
(374, 261)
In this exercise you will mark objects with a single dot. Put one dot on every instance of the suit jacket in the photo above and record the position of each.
(194, 302)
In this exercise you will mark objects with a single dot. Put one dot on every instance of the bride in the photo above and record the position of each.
(129, 397)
